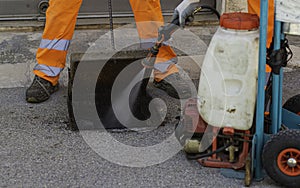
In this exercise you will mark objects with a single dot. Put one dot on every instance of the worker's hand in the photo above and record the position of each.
(185, 10)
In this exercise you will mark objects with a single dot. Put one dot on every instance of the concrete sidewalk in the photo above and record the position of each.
(17, 50)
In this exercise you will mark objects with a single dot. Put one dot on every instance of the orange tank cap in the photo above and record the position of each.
(239, 21)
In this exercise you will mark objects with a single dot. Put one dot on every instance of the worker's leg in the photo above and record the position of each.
(148, 17)
(60, 23)
(254, 8)
(51, 54)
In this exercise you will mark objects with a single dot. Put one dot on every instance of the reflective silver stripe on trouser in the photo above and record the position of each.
(148, 43)
(55, 44)
(163, 67)
(48, 70)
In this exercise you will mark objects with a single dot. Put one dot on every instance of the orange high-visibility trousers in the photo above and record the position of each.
(58, 32)
(254, 8)
(148, 18)
(60, 24)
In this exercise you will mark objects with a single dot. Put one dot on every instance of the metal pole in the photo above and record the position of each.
(261, 89)
(280, 83)
(276, 88)
(111, 24)
(280, 99)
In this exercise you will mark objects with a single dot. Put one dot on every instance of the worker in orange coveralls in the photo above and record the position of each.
(58, 32)
(254, 8)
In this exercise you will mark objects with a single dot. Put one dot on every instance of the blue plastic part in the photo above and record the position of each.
(267, 137)
(258, 175)
(290, 119)
(230, 173)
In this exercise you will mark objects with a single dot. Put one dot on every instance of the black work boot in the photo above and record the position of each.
(183, 90)
(40, 90)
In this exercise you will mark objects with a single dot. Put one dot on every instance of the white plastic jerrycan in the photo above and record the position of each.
(228, 82)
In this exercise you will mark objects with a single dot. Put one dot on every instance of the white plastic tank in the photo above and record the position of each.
(228, 82)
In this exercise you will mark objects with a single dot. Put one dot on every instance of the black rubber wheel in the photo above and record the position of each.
(293, 104)
(281, 158)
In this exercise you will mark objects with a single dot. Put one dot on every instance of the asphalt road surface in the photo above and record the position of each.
(37, 150)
